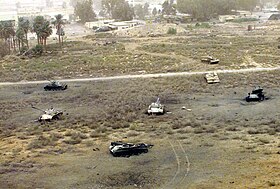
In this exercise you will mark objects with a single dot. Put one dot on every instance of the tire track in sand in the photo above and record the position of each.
(183, 165)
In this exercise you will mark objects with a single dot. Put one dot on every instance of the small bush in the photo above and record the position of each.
(264, 140)
(38, 50)
(202, 25)
(210, 129)
(177, 125)
(41, 142)
(73, 141)
(75, 137)
(23, 49)
(253, 131)
(132, 134)
(95, 134)
(198, 130)
(172, 31)
(232, 128)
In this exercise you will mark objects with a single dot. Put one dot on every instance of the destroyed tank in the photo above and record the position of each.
(127, 149)
(210, 60)
(156, 108)
(49, 114)
(212, 77)
(256, 95)
(55, 85)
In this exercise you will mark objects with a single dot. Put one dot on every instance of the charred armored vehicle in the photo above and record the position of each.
(212, 77)
(55, 85)
(210, 60)
(127, 149)
(256, 95)
(49, 114)
(156, 108)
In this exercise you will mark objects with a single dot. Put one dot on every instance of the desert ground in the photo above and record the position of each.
(217, 141)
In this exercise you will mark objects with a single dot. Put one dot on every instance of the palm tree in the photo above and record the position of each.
(37, 25)
(7, 32)
(20, 35)
(58, 25)
(46, 32)
(43, 29)
(25, 26)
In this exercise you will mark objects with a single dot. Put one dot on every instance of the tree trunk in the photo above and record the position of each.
(8, 42)
(26, 40)
(59, 40)
(38, 39)
(45, 43)
(19, 45)
(14, 43)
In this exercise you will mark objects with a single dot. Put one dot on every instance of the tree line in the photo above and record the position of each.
(207, 9)
(16, 39)
(198, 9)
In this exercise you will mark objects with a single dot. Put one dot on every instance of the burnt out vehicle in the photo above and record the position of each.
(256, 95)
(55, 86)
(49, 114)
(121, 149)
(156, 108)
(210, 60)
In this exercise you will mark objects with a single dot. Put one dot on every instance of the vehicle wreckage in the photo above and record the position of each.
(156, 108)
(212, 77)
(55, 85)
(127, 149)
(49, 114)
(210, 60)
(256, 95)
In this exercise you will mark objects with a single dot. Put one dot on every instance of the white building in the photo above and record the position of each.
(8, 10)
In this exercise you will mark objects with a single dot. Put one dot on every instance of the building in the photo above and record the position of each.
(8, 11)
(14, 9)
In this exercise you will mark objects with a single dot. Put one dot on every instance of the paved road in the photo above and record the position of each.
(144, 76)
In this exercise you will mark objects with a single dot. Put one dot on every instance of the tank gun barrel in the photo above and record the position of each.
(38, 109)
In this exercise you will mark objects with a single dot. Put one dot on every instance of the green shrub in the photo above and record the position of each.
(38, 50)
(41, 142)
(202, 25)
(172, 31)
(23, 49)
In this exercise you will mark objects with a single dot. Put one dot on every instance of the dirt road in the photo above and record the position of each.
(258, 69)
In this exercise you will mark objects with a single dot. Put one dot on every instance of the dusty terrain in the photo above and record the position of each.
(221, 141)
(227, 142)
